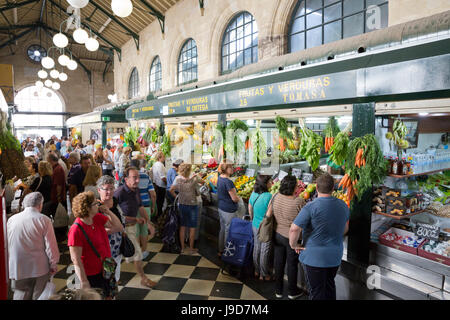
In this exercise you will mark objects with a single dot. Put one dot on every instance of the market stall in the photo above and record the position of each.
(307, 102)
(101, 126)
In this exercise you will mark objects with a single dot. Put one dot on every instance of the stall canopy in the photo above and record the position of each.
(97, 116)
(407, 72)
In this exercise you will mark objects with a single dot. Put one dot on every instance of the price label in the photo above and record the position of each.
(297, 173)
(282, 174)
(250, 172)
(307, 177)
(427, 231)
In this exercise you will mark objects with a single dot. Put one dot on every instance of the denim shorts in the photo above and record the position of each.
(188, 215)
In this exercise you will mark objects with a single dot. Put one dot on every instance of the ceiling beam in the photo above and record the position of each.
(113, 18)
(118, 50)
(156, 13)
(13, 39)
(11, 5)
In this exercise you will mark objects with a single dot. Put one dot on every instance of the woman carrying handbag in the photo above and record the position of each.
(283, 210)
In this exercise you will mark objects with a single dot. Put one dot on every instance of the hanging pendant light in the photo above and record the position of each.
(78, 4)
(60, 40)
(39, 84)
(122, 8)
(72, 65)
(92, 44)
(48, 83)
(56, 86)
(80, 36)
(54, 74)
(42, 74)
(63, 60)
(48, 62)
(62, 76)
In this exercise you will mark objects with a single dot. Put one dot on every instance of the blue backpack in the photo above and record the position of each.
(239, 244)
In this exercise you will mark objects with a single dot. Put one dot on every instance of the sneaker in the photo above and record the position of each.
(145, 255)
(295, 296)
(278, 295)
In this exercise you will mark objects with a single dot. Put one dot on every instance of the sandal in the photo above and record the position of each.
(148, 283)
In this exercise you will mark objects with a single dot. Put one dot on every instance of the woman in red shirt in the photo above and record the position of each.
(97, 225)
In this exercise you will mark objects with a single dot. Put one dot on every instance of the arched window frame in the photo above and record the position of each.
(231, 44)
(155, 75)
(188, 54)
(133, 84)
(347, 17)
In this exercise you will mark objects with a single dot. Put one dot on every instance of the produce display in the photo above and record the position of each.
(436, 247)
(244, 186)
(284, 133)
(310, 146)
(330, 132)
(131, 137)
(11, 156)
(307, 193)
(398, 134)
(340, 195)
(258, 144)
(275, 187)
(339, 148)
(364, 167)
(165, 145)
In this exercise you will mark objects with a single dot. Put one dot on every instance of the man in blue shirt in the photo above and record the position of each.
(171, 175)
(323, 223)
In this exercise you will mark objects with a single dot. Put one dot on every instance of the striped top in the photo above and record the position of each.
(285, 210)
(145, 185)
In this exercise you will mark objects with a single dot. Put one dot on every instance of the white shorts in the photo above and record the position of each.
(131, 233)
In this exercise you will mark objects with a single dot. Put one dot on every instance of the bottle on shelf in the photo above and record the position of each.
(395, 166)
(391, 161)
(405, 166)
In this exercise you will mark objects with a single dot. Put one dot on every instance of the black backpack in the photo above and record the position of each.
(170, 236)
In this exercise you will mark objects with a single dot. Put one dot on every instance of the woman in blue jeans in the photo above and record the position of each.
(188, 190)
(228, 202)
(257, 207)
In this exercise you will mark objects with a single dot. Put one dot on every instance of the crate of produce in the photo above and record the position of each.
(396, 210)
(401, 240)
(386, 192)
(436, 251)
(398, 202)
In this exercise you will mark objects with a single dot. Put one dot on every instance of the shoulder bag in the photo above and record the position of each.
(126, 246)
(268, 224)
(108, 267)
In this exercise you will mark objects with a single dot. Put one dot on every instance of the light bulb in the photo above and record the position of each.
(80, 35)
(54, 74)
(42, 74)
(60, 40)
(72, 65)
(56, 85)
(37, 53)
(39, 84)
(48, 63)
(48, 83)
(63, 60)
(78, 3)
(62, 76)
(92, 44)
(122, 8)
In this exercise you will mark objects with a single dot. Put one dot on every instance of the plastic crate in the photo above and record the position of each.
(432, 256)
(399, 246)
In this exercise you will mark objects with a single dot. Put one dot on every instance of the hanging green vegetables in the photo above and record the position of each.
(364, 166)
(284, 133)
(310, 146)
(238, 144)
(398, 134)
(339, 148)
(131, 136)
(165, 145)
(330, 132)
(258, 143)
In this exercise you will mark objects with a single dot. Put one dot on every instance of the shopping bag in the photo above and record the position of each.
(61, 217)
(49, 290)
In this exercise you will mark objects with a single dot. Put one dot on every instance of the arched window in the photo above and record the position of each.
(133, 84)
(316, 22)
(187, 63)
(155, 75)
(240, 42)
(29, 121)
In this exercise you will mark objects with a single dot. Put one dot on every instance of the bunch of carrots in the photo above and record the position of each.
(360, 160)
(347, 183)
(329, 141)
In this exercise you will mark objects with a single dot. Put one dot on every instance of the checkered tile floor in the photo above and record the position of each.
(179, 277)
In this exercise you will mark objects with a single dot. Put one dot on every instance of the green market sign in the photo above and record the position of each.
(325, 87)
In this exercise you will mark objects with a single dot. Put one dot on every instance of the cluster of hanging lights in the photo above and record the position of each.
(121, 8)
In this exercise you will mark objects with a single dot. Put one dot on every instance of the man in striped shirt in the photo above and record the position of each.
(148, 197)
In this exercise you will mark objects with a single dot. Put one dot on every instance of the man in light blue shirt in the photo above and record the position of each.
(323, 223)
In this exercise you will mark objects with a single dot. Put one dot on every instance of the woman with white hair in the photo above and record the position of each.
(33, 250)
